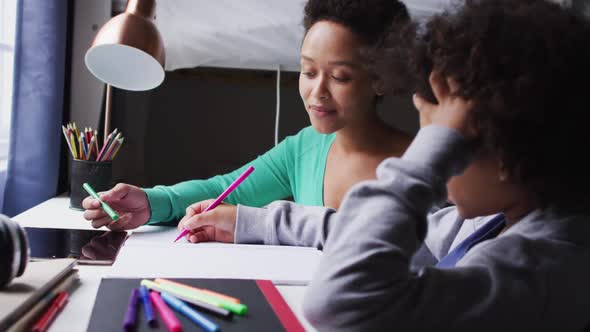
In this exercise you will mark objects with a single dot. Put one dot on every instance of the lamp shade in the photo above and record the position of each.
(128, 51)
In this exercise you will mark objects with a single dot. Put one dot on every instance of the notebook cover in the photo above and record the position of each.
(25, 291)
(113, 295)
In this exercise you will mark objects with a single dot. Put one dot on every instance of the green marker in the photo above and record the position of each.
(105, 206)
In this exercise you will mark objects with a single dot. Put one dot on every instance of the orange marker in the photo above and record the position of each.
(206, 291)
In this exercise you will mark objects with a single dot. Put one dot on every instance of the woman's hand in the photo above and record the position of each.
(130, 202)
(215, 225)
(451, 111)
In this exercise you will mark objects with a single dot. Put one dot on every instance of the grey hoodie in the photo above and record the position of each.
(533, 277)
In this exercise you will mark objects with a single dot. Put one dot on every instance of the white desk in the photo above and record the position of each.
(55, 213)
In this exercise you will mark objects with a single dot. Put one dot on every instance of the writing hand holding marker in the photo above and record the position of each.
(129, 201)
(214, 225)
(221, 197)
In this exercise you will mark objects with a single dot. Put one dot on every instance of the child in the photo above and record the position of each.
(504, 137)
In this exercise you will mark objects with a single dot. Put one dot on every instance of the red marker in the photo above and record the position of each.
(56, 305)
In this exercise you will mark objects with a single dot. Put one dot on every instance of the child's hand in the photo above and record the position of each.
(214, 225)
(130, 202)
(451, 111)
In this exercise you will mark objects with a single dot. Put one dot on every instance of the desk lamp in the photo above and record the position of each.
(128, 52)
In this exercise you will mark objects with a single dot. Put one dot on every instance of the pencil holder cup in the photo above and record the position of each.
(97, 174)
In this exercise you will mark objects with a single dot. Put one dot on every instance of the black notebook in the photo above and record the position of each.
(267, 311)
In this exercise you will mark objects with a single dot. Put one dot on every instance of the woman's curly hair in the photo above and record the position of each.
(525, 64)
(370, 20)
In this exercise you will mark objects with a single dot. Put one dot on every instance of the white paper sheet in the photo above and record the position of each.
(161, 235)
(152, 254)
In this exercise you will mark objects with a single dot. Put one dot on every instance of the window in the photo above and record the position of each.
(7, 33)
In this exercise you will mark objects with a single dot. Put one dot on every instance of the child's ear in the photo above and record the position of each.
(379, 87)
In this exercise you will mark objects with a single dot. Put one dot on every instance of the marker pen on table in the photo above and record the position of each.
(147, 305)
(189, 312)
(205, 291)
(167, 315)
(131, 314)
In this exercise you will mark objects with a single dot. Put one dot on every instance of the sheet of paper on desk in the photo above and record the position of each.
(154, 234)
(153, 255)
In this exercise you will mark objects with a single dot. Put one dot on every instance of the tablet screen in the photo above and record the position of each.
(87, 246)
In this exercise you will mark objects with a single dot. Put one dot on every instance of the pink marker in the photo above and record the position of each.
(167, 315)
(223, 195)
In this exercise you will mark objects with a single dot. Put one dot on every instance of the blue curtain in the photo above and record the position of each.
(38, 100)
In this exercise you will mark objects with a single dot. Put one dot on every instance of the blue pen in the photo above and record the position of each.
(189, 312)
(147, 305)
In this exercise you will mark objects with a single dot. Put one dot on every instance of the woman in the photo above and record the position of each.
(344, 145)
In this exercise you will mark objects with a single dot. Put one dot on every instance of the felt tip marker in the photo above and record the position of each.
(147, 305)
(112, 214)
(189, 312)
(167, 315)
(131, 314)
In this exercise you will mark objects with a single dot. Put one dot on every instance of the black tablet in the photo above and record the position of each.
(85, 245)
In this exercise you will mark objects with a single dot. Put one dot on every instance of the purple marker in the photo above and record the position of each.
(131, 314)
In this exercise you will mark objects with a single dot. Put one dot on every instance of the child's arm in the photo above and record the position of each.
(292, 224)
(284, 223)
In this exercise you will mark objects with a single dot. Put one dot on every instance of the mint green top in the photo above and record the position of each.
(294, 168)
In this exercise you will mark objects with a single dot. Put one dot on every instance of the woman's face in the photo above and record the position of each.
(335, 87)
